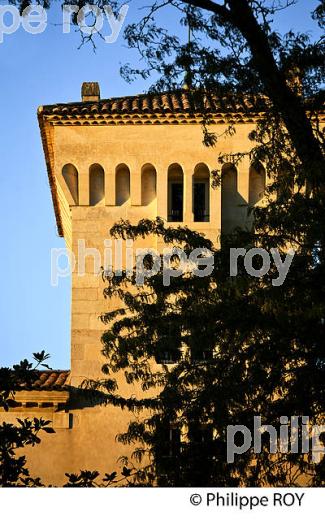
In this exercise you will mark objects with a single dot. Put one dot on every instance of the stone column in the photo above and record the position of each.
(243, 189)
(83, 185)
(215, 205)
(135, 185)
(162, 191)
(188, 196)
(110, 179)
(243, 177)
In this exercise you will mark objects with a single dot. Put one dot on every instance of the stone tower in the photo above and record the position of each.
(132, 158)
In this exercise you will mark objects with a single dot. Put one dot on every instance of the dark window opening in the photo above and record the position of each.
(170, 441)
(167, 450)
(175, 188)
(201, 213)
(169, 343)
(201, 434)
(167, 357)
(201, 355)
(201, 193)
(176, 207)
(200, 342)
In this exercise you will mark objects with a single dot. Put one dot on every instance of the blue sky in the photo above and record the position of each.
(38, 70)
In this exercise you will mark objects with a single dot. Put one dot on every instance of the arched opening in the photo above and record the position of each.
(257, 182)
(96, 184)
(201, 193)
(122, 185)
(148, 184)
(230, 203)
(175, 193)
(70, 175)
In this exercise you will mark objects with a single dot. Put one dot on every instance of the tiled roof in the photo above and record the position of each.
(50, 380)
(178, 102)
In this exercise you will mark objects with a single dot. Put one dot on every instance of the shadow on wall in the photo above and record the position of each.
(81, 398)
(96, 185)
(234, 208)
(257, 182)
(233, 205)
(70, 175)
(122, 185)
(148, 185)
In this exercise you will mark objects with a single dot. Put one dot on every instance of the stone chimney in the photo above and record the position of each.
(90, 91)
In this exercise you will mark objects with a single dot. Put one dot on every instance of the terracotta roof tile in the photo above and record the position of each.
(50, 380)
(177, 102)
(183, 102)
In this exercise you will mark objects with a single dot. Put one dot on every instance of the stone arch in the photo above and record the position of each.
(230, 198)
(96, 184)
(148, 184)
(201, 193)
(122, 184)
(70, 175)
(175, 193)
(257, 183)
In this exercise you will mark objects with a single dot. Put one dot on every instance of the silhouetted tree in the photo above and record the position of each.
(15, 437)
(243, 346)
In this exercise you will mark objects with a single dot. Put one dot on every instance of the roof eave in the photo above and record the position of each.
(50, 167)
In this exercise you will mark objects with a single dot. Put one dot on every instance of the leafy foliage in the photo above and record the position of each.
(90, 478)
(15, 437)
(19, 376)
(244, 347)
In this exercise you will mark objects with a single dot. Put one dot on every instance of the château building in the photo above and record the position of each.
(131, 157)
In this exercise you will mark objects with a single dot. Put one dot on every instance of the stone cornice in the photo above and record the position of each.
(153, 119)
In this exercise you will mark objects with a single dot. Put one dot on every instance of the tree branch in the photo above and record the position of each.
(208, 5)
